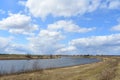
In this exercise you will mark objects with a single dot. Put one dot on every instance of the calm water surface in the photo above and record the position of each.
(12, 66)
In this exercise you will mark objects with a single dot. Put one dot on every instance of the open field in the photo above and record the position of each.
(108, 69)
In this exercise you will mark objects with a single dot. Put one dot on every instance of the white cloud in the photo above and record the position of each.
(110, 4)
(116, 28)
(47, 42)
(114, 4)
(21, 2)
(67, 50)
(68, 26)
(7, 45)
(50, 34)
(70, 48)
(4, 42)
(95, 40)
(66, 8)
(108, 44)
(14, 48)
(18, 24)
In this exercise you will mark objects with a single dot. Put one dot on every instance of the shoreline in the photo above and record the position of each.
(26, 57)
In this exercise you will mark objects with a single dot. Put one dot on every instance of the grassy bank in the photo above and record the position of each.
(26, 56)
(108, 69)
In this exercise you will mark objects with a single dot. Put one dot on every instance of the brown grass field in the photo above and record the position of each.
(107, 69)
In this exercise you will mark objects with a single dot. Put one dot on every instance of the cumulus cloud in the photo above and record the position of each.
(70, 50)
(116, 28)
(4, 43)
(21, 2)
(108, 44)
(110, 4)
(53, 35)
(7, 45)
(18, 24)
(14, 48)
(68, 26)
(66, 8)
(114, 4)
(47, 42)
(96, 40)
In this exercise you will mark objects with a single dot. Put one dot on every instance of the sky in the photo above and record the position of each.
(68, 27)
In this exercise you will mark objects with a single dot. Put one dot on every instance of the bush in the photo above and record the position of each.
(28, 56)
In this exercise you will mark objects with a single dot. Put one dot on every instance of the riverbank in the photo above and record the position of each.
(26, 57)
(108, 69)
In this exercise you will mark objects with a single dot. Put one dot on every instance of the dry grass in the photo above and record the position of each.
(109, 72)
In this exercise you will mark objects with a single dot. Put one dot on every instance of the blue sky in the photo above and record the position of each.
(60, 27)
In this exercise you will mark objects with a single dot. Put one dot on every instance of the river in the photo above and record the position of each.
(14, 66)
